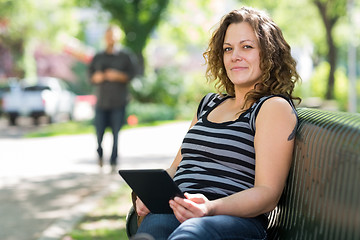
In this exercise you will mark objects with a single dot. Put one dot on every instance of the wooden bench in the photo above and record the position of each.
(322, 197)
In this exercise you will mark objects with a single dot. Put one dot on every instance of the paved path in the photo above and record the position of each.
(44, 182)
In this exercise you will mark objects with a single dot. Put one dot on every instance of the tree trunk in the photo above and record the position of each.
(332, 51)
(332, 55)
(141, 64)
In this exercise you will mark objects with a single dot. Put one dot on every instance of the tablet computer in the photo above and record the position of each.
(154, 187)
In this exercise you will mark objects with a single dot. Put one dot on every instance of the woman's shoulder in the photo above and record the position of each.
(270, 106)
(276, 100)
(278, 106)
(213, 96)
(273, 101)
(209, 101)
(210, 97)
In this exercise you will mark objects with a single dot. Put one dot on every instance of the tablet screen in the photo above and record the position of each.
(153, 186)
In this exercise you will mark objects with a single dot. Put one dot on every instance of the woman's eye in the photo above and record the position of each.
(227, 49)
(247, 47)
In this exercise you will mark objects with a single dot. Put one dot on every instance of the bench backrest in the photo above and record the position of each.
(322, 197)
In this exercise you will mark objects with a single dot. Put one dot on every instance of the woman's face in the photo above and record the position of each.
(242, 55)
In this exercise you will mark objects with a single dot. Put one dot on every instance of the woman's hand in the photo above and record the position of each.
(141, 209)
(193, 205)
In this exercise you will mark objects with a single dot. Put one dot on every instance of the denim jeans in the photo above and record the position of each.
(113, 118)
(166, 226)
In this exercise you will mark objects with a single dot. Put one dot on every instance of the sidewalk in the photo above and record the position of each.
(46, 194)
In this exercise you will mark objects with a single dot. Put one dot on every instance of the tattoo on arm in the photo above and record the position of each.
(292, 134)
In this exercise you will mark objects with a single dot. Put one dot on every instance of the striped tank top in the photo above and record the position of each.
(218, 159)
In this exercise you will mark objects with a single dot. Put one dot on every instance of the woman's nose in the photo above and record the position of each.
(236, 55)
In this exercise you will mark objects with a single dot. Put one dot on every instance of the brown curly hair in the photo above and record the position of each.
(278, 68)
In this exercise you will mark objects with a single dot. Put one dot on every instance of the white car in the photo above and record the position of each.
(48, 97)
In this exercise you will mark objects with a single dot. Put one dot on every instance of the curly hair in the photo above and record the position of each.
(278, 67)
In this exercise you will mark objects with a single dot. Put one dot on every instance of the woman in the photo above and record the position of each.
(235, 158)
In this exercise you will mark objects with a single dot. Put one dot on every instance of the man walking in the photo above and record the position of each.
(111, 71)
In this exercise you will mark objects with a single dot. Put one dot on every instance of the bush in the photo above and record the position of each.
(162, 86)
(167, 94)
(149, 112)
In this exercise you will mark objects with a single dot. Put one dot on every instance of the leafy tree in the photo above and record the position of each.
(30, 22)
(331, 11)
(305, 21)
(10, 40)
(137, 18)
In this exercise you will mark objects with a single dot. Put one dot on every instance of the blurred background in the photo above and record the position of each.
(45, 49)
(58, 39)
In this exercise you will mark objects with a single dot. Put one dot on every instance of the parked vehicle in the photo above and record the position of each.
(4, 88)
(48, 97)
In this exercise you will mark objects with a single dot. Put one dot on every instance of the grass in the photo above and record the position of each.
(63, 128)
(73, 128)
(107, 221)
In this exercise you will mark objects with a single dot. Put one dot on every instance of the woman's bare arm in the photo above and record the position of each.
(273, 143)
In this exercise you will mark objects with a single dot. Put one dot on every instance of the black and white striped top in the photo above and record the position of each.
(218, 159)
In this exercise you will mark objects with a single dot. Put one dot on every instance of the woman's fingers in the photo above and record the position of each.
(181, 212)
(187, 208)
(197, 198)
(141, 209)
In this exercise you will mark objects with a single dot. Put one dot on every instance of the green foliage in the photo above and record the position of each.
(156, 95)
(186, 26)
(82, 85)
(341, 89)
(41, 20)
(65, 128)
(305, 24)
(150, 112)
(196, 88)
(166, 94)
(164, 86)
(137, 18)
(322, 23)
(330, 12)
(334, 8)
(103, 233)
(318, 80)
(178, 44)
(30, 22)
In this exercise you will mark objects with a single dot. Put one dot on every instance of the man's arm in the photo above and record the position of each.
(113, 75)
(95, 72)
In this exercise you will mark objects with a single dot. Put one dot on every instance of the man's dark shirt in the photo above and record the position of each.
(111, 95)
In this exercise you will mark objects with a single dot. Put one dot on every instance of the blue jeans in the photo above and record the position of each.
(113, 118)
(166, 226)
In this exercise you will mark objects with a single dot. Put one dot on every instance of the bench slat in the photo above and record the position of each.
(322, 196)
